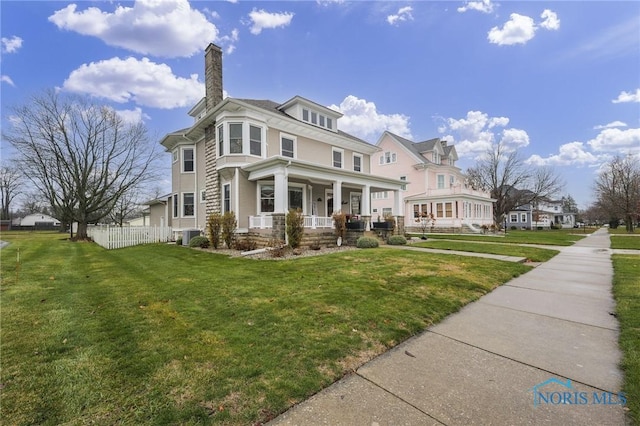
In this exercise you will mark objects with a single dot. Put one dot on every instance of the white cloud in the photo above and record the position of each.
(404, 14)
(550, 20)
(132, 116)
(484, 6)
(262, 19)
(477, 132)
(7, 79)
(519, 29)
(141, 81)
(166, 28)
(11, 45)
(610, 125)
(616, 140)
(568, 154)
(627, 97)
(229, 41)
(362, 119)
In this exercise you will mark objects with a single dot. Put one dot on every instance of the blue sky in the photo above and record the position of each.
(558, 81)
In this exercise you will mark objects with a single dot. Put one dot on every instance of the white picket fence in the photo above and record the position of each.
(113, 237)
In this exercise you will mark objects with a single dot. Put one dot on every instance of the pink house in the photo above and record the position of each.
(435, 194)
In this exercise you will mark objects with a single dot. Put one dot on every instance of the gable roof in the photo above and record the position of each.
(417, 149)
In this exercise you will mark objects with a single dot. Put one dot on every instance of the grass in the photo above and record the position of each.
(626, 290)
(532, 254)
(625, 242)
(622, 230)
(558, 237)
(161, 334)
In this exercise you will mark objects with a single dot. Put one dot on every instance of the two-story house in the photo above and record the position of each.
(541, 214)
(434, 186)
(260, 158)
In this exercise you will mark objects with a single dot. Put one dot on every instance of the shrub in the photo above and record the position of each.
(554, 226)
(214, 227)
(278, 248)
(295, 227)
(199, 241)
(513, 228)
(229, 225)
(179, 241)
(367, 242)
(340, 224)
(397, 240)
(246, 245)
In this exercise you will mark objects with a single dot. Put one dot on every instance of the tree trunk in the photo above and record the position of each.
(81, 233)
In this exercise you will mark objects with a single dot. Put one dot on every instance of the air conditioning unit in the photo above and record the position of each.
(188, 234)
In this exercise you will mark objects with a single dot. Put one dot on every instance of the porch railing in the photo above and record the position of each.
(311, 222)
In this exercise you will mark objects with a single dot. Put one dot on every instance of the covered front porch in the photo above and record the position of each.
(318, 192)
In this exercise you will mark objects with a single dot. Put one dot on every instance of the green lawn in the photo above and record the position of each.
(558, 237)
(625, 242)
(532, 254)
(626, 290)
(622, 230)
(162, 334)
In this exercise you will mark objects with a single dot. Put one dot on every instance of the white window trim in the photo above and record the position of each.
(222, 197)
(246, 137)
(341, 151)
(182, 215)
(361, 157)
(351, 194)
(175, 201)
(176, 156)
(259, 196)
(182, 150)
(404, 178)
(203, 196)
(444, 182)
(295, 144)
(304, 195)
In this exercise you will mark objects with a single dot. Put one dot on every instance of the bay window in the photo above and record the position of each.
(235, 138)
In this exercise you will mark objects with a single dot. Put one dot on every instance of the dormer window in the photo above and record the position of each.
(388, 157)
(436, 157)
(317, 119)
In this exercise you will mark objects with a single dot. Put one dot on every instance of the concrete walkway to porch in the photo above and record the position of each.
(504, 359)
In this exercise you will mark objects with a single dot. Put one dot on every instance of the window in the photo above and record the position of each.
(267, 199)
(175, 155)
(380, 195)
(188, 204)
(440, 181)
(357, 162)
(356, 202)
(235, 138)
(220, 141)
(329, 123)
(187, 160)
(295, 197)
(436, 157)
(452, 179)
(255, 141)
(226, 197)
(337, 157)
(513, 218)
(523, 217)
(448, 209)
(388, 158)
(322, 117)
(314, 117)
(305, 115)
(175, 205)
(420, 210)
(203, 195)
(387, 211)
(287, 146)
(404, 186)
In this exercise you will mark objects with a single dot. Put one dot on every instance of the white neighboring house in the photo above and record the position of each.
(39, 220)
(548, 212)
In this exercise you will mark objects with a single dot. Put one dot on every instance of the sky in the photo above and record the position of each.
(557, 81)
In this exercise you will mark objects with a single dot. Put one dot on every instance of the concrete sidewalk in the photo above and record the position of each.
(504, 359)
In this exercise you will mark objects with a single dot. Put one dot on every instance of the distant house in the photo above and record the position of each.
(520, 217)
(541, 214)
(38, 221)
(434, 185)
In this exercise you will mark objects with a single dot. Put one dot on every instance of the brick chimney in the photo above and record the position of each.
(213, 75)
(213, 87)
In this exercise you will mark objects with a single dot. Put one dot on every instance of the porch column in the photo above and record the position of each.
(366, 207)
(337, 196)
(397, 203)
(280, 183)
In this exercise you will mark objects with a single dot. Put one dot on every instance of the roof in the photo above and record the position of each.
(417, 148)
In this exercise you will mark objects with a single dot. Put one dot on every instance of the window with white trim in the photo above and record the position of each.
(513, 218)
(436, 157)
(188, 160)
(388, 157)
(288, 146)
(226, 197)
(203, 195)
(357, 162)
(175, 155)
(255, 140)
(356, 202)
(267, 198)
(317, 119)
(235, 138)
(176, 209)
(188, 204)
(380, 195)
(523, 217)
(404, 186)
(296, 197)
(336, 155)
(452, 181)
(440, 181)
(220, 141)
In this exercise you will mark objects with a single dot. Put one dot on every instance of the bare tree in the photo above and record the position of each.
(125, 207)
(618, 189)
(80, 155)
(10, 183)
(510, 181)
